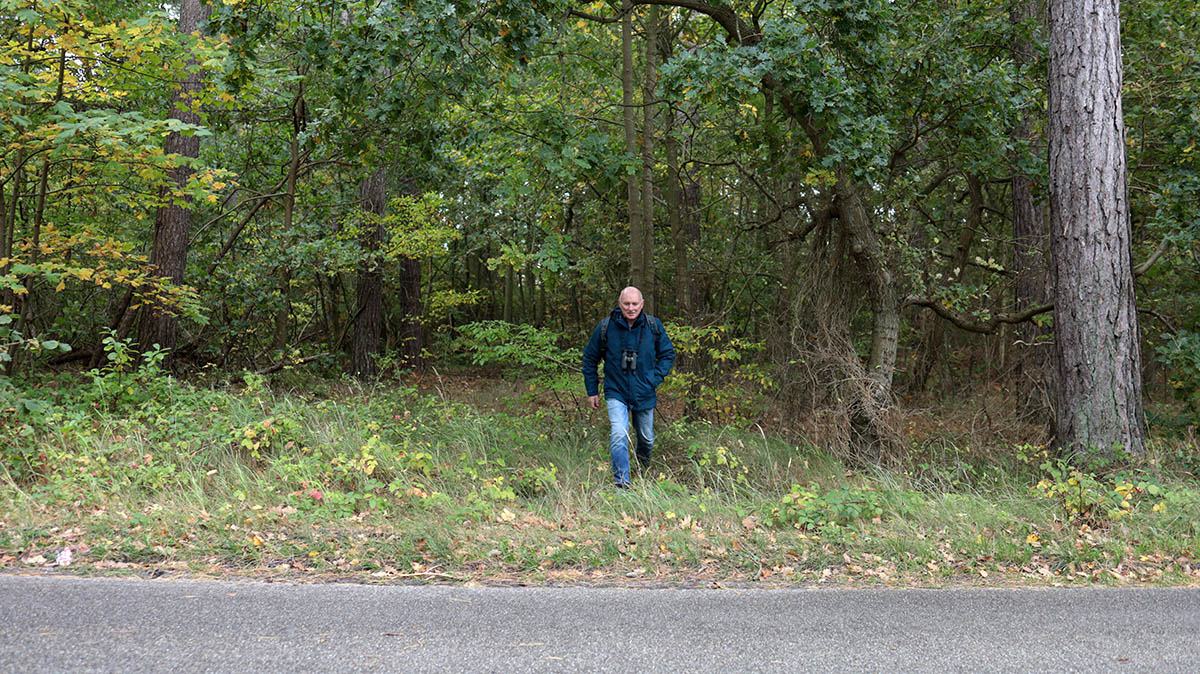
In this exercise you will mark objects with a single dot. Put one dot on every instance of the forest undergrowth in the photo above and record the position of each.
(465, 478)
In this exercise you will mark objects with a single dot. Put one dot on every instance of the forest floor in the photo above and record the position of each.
(469, 479)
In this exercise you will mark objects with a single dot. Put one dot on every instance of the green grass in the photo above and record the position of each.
(332, 478)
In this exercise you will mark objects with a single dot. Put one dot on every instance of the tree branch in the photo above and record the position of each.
(1158, 252)
(741, 32)
(970, 323)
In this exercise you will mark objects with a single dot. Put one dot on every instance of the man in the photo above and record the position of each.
(637, 356)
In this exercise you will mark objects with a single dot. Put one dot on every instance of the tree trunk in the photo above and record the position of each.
(648, 283)
(885, 307)
(8, 222)
(410, 335)
(868, 404)
(1099, 387)
(172, 223)
(637, 237)
(689, 211)
(674, 194)
(283, 312)
(509, 283)
(368, 310)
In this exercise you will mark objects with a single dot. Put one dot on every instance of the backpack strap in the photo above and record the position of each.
(656, 329)
(655, 325)
(604, 335)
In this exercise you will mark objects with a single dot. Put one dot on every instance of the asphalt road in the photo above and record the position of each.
(61, 624)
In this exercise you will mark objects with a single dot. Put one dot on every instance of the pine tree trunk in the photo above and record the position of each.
(172, 224)
(1099, 387)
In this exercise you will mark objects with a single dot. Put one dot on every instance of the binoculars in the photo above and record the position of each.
(629, 360)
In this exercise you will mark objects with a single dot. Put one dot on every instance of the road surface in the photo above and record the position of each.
(66, 624)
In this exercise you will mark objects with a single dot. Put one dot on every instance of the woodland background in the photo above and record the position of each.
(839, 207)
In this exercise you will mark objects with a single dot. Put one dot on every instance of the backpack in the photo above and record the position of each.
(655, 329)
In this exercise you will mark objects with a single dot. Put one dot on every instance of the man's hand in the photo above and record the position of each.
(594, 401)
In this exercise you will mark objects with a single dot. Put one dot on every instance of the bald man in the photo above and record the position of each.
(637, 356)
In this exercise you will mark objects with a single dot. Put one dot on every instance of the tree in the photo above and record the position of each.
(1099, 387)
(638, 219)
(368, 312)
(172, 225)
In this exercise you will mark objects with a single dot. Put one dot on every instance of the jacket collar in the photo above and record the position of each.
(619, 317)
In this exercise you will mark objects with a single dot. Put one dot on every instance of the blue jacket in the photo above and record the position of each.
(656, 355)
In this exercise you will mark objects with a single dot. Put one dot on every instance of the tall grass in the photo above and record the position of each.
(387, 481)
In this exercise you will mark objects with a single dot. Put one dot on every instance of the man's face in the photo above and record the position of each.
(631, 305)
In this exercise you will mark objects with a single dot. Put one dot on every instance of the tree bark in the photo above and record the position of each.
(674, 194)
(637, 260)
(172, 223)
(1099, 389)
(867, 406)
(649, 80)
(368, 310)
(881, 288)
(283, 311)
(410, 334)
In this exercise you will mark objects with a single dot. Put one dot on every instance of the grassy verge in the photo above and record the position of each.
(331, 479)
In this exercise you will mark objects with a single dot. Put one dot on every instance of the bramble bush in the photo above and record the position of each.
(805, 507)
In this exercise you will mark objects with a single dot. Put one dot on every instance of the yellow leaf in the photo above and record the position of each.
(256, 540)
(1031, 538)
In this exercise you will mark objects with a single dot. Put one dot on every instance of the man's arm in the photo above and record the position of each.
(665, 356)
(591, 359)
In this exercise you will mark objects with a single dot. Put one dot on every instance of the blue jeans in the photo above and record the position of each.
(618, 437)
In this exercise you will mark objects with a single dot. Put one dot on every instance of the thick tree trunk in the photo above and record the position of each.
(868, 404)
(881, 289)
(368, 310)
(1099, 387)
(637, 237)
(172, 224)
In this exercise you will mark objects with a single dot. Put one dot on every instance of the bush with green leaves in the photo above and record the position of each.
(1180, 353)
(522, 350)
(11, 340)
(808, 507)
(716, 375)
(1095, 499)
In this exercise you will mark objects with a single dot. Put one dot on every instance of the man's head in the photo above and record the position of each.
(631, 303)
